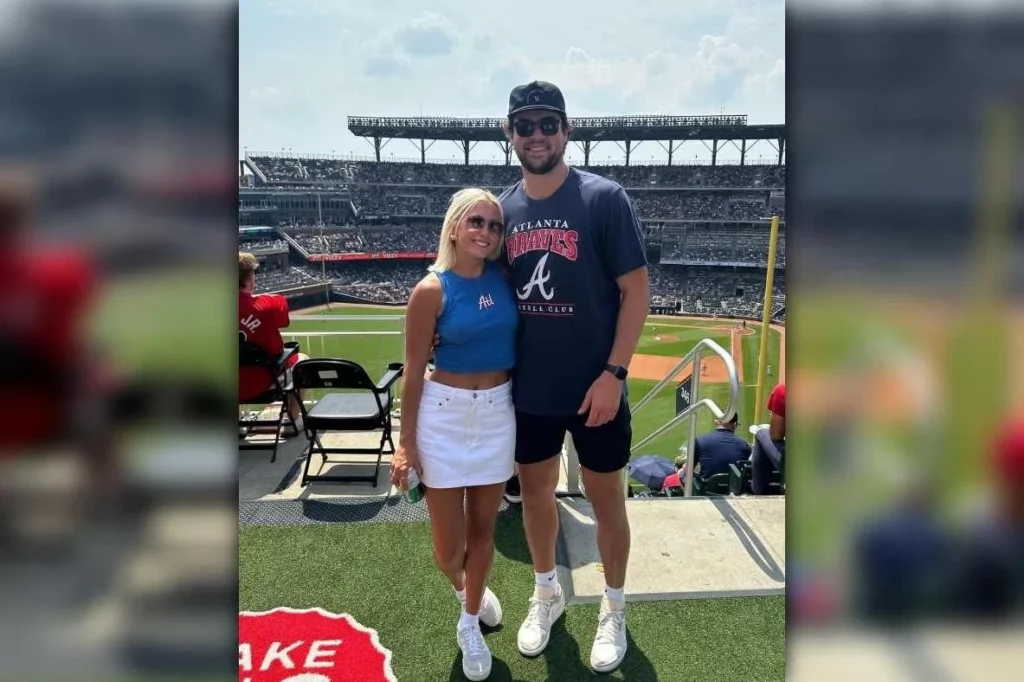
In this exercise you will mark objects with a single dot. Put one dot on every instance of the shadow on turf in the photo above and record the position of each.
(509, 536)
(565, 663)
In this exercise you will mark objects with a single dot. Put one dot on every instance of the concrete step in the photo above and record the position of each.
(681, 548)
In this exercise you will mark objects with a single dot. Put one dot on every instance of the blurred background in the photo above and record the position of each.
(117, 219)
(117, 215)
(905, 539)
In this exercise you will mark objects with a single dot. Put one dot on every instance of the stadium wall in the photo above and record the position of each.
(312, 297)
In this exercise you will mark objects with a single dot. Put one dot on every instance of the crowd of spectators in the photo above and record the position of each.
(416, 200)
(378, 238)
(336, 242)
(409, 192)
(694, 290)
(270, 278)
(709, 291)
(721, 244)
(708, 243)
(297, 169)
(255, 246)
(380, 281)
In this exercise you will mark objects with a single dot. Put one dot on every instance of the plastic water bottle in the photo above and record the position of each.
(415, 491)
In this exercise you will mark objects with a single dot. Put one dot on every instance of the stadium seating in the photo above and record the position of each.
(707, 226)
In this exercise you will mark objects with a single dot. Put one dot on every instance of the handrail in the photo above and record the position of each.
(693, 357)
(730, 368)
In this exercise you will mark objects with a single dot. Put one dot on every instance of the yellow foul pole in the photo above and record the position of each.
(766, 316)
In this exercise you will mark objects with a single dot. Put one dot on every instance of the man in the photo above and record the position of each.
(576, 256)
(60, 383)
(715, 451)
(260, 319)
(769, 453)
(988, 580)
(777, 408)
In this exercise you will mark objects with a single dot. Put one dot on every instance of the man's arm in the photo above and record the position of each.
(627, 259)
(636, 300)
(777, 427)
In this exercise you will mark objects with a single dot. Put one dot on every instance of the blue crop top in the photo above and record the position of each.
(477, 324)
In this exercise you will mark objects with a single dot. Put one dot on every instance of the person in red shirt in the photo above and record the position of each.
(260, 320)
(59, 384)
(777, 406)
(769, 453)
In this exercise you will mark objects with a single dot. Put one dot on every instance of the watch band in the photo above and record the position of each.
(617, 371)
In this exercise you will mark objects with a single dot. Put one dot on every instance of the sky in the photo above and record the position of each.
(306, 65)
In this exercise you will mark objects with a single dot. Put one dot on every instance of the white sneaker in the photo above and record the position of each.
(546, 607)
(610, 643)
(476, 657)
(490, 608)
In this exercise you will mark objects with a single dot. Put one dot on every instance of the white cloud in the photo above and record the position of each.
(392, 58)
(428, 35)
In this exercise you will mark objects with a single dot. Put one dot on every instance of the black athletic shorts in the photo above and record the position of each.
(601, 449)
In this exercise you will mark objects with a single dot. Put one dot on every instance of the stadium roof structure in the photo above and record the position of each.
(625, 131)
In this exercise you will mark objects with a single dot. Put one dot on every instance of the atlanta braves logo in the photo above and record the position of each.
(538, 279)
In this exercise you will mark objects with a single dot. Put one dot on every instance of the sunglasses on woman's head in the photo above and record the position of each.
(549, 125)
(479, 222)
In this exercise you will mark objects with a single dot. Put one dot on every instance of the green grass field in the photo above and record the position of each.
(391, 584)
(374, 352)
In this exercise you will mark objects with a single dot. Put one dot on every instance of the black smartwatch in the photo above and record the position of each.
(618, 372)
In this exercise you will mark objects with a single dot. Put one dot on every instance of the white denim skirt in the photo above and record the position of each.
(466, 438)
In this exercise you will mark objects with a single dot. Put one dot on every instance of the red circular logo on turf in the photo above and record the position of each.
(309, 645)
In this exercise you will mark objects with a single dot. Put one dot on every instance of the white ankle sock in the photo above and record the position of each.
(615, 594)
(466, 620)
(546, 579)
(461, 594)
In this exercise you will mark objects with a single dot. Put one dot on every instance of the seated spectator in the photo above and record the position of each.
(988, 583)
(777, 407)
(260, 319)
(715, 451)
(60, 384)
(769, 453)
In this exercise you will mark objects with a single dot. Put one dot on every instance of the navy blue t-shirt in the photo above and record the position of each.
(565, 253)
(716, 450)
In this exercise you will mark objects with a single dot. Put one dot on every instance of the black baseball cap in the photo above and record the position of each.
(536, 95)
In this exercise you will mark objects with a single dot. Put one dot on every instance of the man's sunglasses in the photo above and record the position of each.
(549, 125)
(478, 223)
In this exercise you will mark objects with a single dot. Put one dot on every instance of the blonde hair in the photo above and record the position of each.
(460, 205)
(247, 265)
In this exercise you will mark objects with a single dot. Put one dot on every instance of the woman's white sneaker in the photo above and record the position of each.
(610, 642)
(476, 657)
(546, 607)
(490, 608)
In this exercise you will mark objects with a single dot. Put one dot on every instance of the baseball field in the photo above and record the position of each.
(324, 332)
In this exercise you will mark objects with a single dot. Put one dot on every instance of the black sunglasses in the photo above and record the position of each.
(549, 125)
(478, 223)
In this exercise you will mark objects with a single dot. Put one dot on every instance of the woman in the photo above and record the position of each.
(458, 425)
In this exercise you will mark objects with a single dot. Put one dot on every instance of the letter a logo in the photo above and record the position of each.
(538, 279)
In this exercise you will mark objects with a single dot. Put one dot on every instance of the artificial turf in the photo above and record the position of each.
(384, 576)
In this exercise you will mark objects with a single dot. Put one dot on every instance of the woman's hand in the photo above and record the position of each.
(405, 458)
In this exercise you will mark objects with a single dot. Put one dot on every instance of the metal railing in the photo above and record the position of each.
(692, 358)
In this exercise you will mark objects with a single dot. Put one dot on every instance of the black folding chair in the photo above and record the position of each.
(368, 409)
(253, 357)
